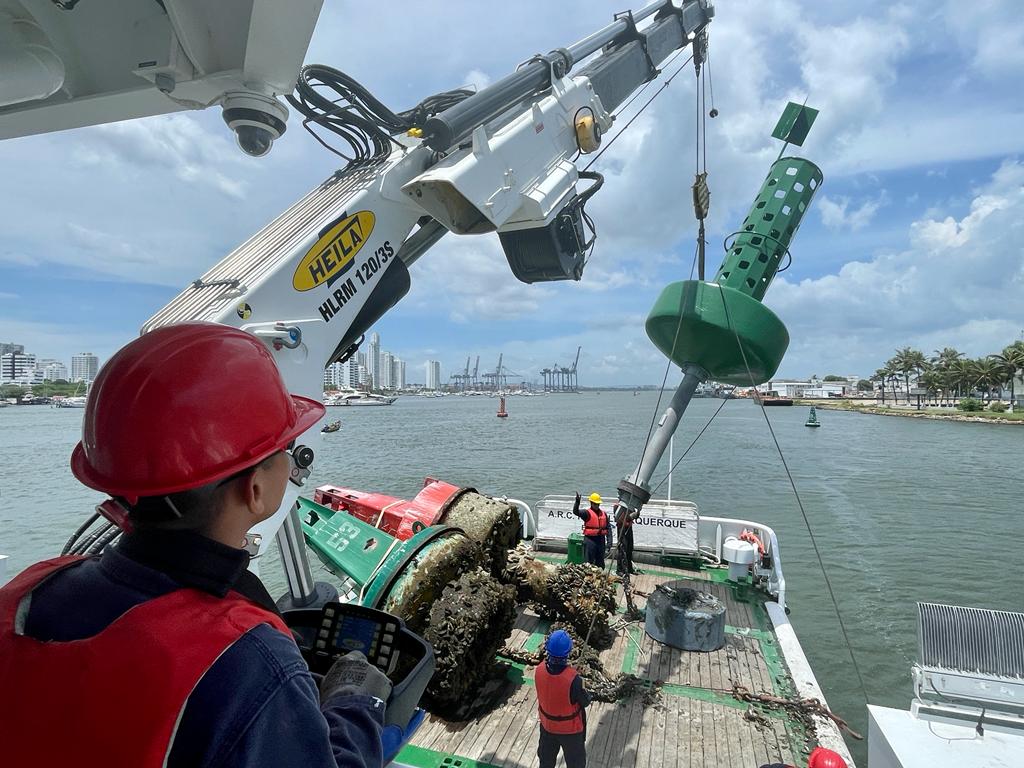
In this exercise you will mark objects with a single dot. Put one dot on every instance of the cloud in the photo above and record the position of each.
(477, 79)
(468, 279)
(160, 200)
(177, 143)
(839, 215)
(991, 33)
(959, 283)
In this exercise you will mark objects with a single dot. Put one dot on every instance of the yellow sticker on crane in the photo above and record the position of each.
(334, 252)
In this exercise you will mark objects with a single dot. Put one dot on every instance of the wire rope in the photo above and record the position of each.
(800, 504)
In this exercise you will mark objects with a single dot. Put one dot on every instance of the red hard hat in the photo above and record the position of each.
(825, 758)
(184, 406)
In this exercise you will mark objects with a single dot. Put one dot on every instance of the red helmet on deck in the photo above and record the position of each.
(184, 406)
(825, 758)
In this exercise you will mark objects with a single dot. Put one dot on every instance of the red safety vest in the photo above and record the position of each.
(115, 698)
(596, 523)
(557, 713)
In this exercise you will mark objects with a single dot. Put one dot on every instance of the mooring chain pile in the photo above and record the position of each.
(803, 709)
(586, 660)
(581, 596)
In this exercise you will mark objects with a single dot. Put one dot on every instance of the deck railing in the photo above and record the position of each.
(711, 533)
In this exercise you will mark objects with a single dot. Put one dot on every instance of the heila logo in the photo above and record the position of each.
(333, 253)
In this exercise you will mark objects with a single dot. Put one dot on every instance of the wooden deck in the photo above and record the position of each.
(696, 722)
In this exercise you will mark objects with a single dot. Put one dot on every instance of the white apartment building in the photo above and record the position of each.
(84, 366)
(433, 374)
(334, 376)
(17, 368)
(387, 370)
(373, 361)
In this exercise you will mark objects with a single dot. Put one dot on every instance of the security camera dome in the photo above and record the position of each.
(256, 119)
(253, 140)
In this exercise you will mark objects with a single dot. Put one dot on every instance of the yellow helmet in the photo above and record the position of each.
(595, 497)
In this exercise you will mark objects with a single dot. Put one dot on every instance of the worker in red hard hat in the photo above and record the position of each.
(597, 533)
(165, 650)
(561, 705)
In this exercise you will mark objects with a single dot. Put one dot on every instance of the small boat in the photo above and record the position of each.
(502, 413)
(812, 419)
(334, 426)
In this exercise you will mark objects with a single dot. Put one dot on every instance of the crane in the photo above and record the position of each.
(476, 372)
(573, 380)
(314, 280)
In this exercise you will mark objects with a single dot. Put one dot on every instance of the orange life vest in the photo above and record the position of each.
(557, 713)
(596, 523)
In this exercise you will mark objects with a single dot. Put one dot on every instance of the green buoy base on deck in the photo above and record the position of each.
(698, 323)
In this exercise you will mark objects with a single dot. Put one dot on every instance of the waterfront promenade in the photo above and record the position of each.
(943, 413)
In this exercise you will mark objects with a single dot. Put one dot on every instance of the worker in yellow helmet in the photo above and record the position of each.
(597, 533)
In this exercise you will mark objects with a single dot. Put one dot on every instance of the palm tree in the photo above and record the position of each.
(932, 381)
(894, 379)
(1009, 362)
(881, 375)
(988, 375)
(962, 376)
(906, 361)
(945, 358)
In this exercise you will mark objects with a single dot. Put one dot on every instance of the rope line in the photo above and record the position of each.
(800, 504)
(673, 467)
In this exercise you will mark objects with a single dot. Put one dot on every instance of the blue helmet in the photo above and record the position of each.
(558, 644)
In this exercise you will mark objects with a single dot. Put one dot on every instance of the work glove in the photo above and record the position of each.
(353, 674)
(577, 498)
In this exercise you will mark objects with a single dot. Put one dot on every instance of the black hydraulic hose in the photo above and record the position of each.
(84, 545)
(101, 543)
(81, 529)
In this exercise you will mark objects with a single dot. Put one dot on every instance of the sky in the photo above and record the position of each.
(916, 236)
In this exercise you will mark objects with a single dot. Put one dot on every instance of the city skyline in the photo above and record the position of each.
(23, 368)
(919, 137)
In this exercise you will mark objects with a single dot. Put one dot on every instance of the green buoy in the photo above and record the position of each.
(698, 323)
(720, 330)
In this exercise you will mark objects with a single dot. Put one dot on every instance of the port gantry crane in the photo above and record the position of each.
(573, 378)
(505, 159)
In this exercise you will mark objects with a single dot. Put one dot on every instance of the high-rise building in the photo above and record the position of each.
(334, 376)
(48, 369)
(361, 359)
(84, 367)
(399, 374)
(6, 347)
(17, 368)
(364, 376)
(387, 370)
(373, 363)
(433, 374)
(352, 372)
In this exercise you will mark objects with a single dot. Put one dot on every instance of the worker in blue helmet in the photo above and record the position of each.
(561, 701)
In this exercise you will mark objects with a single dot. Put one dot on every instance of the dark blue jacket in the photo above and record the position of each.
(257, 705)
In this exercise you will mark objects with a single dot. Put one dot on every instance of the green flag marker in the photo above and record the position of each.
(795, 123)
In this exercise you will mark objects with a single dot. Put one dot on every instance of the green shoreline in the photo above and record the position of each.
(975, 417)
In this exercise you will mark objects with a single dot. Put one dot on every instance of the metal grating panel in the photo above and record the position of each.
(261, 254)
(971, 640)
